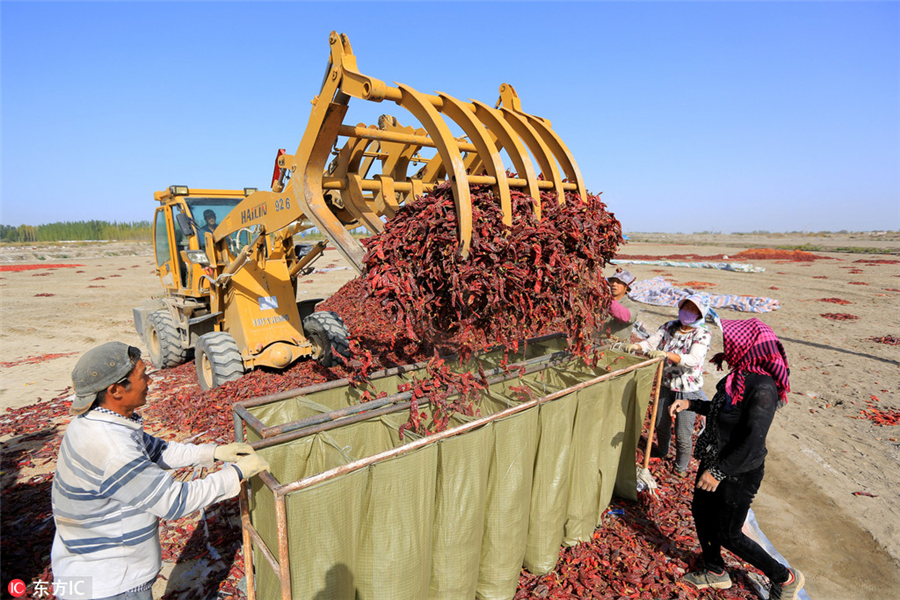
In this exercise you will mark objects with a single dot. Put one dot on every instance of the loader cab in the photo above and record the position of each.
(218, 209)
(179, 227)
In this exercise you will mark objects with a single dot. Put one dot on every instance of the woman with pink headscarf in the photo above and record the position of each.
(732, 452)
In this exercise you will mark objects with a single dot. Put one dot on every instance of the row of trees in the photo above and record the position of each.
(77, 230)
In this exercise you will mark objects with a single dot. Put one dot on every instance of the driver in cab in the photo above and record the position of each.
(209, 216)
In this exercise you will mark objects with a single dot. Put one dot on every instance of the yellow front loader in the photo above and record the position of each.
(231, 282)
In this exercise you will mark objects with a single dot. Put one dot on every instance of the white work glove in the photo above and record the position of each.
(657, 354)
(251, 465)
(633, 348)
(232, 452)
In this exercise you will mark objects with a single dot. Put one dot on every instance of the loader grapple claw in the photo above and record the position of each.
(539, 158)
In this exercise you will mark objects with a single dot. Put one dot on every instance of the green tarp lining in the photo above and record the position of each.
(460, 517)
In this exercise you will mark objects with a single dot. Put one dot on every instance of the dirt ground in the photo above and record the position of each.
(819, 454)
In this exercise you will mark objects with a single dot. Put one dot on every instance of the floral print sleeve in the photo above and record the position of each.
(687, 376)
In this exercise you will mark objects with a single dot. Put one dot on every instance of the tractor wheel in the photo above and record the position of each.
(218, 360)
(163, 340)
(328, 336)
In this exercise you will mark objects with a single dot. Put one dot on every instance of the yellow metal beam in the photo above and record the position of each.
(486, 148)
(448, 149)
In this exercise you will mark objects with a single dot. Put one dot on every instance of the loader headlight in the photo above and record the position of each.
(197, 257)
(179, 190)
(248, 191)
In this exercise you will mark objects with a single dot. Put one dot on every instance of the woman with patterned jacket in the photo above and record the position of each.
(732, 453)
(684, 343)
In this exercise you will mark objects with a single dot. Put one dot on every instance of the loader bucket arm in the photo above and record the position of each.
(343, 196)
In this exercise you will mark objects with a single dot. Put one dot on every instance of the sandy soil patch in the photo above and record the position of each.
(820, 452)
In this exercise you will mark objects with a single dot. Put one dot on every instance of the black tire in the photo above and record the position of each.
(328, 335)
(217, 359)
(163, 341)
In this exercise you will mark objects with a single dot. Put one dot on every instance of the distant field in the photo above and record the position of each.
(867, 242)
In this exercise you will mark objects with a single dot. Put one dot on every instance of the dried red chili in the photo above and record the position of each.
(839, 316)
(517, 281)
(778, 254)
(879, 416)
(641, 550)
(19, 268)
(835, 301)
(33, 360)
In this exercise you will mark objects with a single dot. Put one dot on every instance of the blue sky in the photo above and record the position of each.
(689, 117)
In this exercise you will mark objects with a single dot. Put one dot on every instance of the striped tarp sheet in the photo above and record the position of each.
(739, 267)
(659, 292)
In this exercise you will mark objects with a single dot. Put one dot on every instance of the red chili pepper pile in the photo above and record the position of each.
(835, 300)
(890, 340)
(776, 254)
(877, 261)
(839, 316)
(447, 392)
(374, 338)
(641, 550)
(183, 407)
(515, 281)
(877, 415)
(26, 530)
(33, 360)
(19, 268)
(857, 283)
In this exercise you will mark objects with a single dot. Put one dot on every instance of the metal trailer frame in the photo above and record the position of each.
(281, 564)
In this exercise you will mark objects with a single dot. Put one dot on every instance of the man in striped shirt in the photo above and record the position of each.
(111, 486)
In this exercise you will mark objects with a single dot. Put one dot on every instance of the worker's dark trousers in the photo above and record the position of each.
(719, 517)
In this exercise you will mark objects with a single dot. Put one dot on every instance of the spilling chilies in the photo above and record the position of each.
(537, 276)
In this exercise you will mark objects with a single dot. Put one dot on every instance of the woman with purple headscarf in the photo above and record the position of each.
(732, 452)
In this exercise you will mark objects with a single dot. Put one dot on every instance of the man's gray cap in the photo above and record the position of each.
(623, 276)
(96, 370)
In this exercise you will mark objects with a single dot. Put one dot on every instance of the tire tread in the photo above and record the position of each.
(224, 356)
(172, 353)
